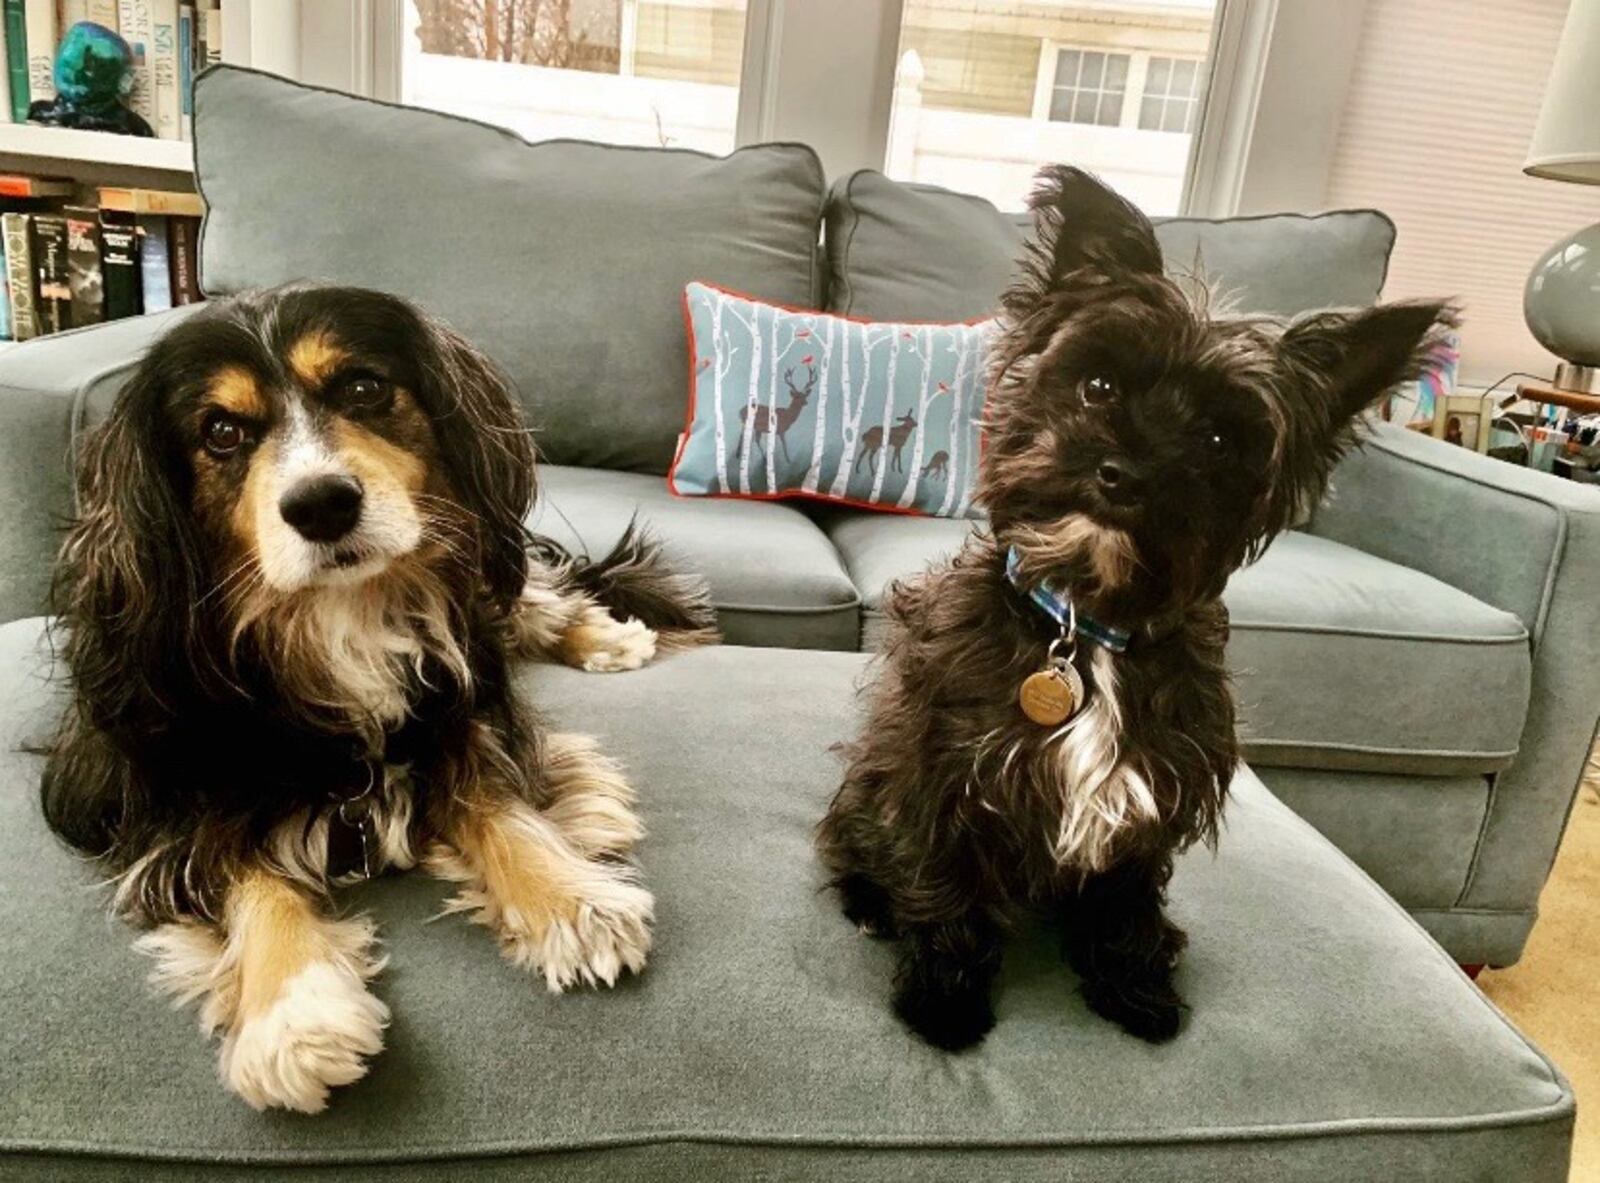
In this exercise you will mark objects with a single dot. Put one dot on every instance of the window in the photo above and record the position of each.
(1171, 95)
(650, 72)
(1089, 87)
(986, 91)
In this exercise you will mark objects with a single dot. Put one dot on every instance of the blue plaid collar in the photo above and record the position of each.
(1057, 604)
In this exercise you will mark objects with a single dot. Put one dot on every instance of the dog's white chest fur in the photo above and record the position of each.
(1101, 792)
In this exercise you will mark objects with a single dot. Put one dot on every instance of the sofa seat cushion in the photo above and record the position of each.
(1343, 660)
(775, 578)
(759, 1042)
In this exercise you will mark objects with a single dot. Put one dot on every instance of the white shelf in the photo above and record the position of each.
(97, 147)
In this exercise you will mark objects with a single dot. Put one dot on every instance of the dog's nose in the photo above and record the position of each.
(1118, 479)
(323, 508)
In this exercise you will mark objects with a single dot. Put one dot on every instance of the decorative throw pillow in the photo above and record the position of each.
(786, 403)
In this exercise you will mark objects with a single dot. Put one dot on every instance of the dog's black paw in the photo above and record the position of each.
(867, 906)
(1153, 1011)
(952, 1020)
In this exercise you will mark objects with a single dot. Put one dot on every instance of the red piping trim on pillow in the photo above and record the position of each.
(787, 494)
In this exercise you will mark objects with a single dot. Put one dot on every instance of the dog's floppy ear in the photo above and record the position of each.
(125, 584)
(489, 454)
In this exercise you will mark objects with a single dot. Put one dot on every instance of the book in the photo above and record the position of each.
(5, 74)
(211, 25)
(133, 21)
(155, 276)
(151, 201)
(103, 13)
(52, 295)
(85, 276)
(183, 249)
(22, 185)
(119, 261)
(5, 298)
(16, 17)
(41, 22)
(72, 12)
(186, 60)
(164, 66)
(19, 275)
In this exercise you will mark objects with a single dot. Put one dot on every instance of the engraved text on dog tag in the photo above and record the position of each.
(1050, 696)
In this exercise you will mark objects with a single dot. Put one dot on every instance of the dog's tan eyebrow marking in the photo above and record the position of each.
(234, 389)
(315, 357)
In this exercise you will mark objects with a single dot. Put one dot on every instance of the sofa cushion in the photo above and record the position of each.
(775, 578)
(903, 251)
(564, 260)
(1342, 660)
(759, 1042)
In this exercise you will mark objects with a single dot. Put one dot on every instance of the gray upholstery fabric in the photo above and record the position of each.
(903, 251)
(564, 260)
(1527, 544)
(48, 388)
(758, 1042)
(1413, 834)
(1343, 660)
(775, 578)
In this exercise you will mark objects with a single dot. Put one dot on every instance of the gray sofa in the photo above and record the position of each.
(1412, 665)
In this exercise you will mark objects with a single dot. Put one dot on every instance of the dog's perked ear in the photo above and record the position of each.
(488, 452)
(1083, 226)
(1335, 366)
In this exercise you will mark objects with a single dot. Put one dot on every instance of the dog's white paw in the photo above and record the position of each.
(315, 1036)
(607, 645)
(609, 935)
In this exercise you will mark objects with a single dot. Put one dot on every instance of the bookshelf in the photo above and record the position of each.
(44, 148)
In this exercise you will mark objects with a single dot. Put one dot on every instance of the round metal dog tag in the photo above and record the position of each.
(1050, 696)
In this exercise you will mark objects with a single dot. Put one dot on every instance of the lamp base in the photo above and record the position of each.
(1578, 379)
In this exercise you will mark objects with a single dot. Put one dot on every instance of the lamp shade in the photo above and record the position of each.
(1566, 142)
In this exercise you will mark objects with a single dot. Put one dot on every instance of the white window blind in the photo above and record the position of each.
(1436, 126)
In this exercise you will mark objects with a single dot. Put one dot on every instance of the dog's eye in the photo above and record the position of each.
(365, 392)
(223, 434)
(1098, 389)
(1217, 442)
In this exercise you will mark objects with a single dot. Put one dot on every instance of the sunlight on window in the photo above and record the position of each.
(988, 90)
(650, 72)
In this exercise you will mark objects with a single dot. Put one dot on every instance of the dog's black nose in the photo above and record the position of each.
(323, 508)
(1119, 480)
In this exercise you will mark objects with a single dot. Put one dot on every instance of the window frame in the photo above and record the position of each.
(823, 72)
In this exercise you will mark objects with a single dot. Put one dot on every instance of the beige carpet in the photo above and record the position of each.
(1553, 993)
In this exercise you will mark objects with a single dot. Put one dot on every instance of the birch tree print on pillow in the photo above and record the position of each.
(785, 403)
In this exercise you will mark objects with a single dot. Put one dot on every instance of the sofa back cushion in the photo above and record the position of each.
(564, 260)
(917, 252)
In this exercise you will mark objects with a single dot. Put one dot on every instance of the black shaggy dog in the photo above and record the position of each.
(290, 599)
(1053, 720)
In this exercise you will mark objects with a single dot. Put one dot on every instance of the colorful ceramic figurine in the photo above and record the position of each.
(93, 74)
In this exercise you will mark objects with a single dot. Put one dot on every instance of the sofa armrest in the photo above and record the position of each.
(1523, 541)
(49, 388)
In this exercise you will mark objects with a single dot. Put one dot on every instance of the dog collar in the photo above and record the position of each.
(1055, 603)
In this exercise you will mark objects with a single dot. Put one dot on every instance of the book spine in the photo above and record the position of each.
(120, 261)
(54, 307)
(104, 13)
(19, 275)
(6, 113)
(212, 20)
(182, 247)
(186, 60)
(155, 280)
(164, 66)
(41, 16)
(72, 12)
(85, 274)
(16, 15)
(5, 298)
(133, 19)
